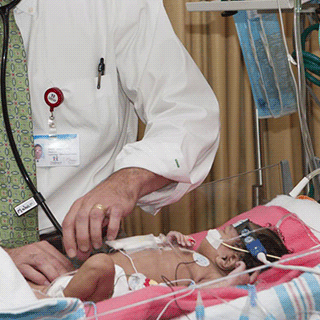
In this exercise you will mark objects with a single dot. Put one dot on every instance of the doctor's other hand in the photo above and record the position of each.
(40, 262)
(106, 205)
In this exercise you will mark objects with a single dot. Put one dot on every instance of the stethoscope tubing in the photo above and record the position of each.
(4, 13)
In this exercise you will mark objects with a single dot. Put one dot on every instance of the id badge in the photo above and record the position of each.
(62, 150)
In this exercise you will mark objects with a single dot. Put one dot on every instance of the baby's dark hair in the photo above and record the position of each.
(271, 242)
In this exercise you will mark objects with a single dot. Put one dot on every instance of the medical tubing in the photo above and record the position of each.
(70, 273)
(4, 12)
(95, 309)
(206, 284)
(262, 257)
(301, 92)
(175, 299)
(289, 56)
(310, 60)
(168, 304)
(303, 182)
(200, 313)
(299, 187)
(131, 261)
(246, 251)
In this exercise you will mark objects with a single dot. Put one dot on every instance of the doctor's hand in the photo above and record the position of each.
(40, 262)
(106, 205)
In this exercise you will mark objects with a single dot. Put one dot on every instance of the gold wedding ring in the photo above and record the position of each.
(99, 206)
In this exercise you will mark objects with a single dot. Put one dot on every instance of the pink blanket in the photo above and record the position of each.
(296, 236)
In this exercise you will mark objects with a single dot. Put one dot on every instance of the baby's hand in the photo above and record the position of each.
(182, 240)
(243, 278)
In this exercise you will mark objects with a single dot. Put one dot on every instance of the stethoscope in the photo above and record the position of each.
(40, 200)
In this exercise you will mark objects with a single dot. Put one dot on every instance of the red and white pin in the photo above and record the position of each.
(53, 98)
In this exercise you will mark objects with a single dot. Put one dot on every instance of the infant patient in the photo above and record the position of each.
(222, 252)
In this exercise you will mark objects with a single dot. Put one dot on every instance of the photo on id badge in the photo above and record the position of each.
(61, 150)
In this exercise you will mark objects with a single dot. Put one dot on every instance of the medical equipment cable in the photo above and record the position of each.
(311, 61)
(70, 273)
(301, 88)
(170, 284)
(261, 257)
(179, 264)
(95, 309)
(130, 259)
(313, 95)
(173, 300)
(303, 182)
(199, 309)
(176, 276)
(301, 92)
(200, 313)
(246, 251)
(211, 282)
(4, 12)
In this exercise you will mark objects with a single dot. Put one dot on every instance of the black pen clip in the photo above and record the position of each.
(101, 69)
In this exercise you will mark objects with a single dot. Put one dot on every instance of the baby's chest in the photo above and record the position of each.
(197, 268)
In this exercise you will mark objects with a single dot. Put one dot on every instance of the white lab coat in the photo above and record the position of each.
(148, 73)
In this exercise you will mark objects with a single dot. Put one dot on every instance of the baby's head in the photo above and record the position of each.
(270, 240)
(227, 246)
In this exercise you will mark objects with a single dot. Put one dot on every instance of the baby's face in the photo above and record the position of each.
(230, 235)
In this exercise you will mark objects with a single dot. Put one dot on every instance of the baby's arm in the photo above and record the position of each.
(182, 240)
(241, 279)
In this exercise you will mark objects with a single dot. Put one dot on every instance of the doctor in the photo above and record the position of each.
(108, 63)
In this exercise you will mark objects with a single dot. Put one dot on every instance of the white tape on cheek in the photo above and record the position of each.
(214, 238)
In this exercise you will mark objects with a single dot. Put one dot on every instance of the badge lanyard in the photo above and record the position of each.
(57, 150)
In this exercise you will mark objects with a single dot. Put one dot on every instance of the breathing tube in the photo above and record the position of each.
(4, 13)
(311, 61)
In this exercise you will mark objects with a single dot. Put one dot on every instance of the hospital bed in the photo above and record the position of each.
(282, 294)
(278, 294)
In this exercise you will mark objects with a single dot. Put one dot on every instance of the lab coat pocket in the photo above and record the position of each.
(82, 97)
(83, 92)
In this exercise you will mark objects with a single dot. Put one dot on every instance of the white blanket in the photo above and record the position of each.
(308, 211)
(296, 299)
(17, 300)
